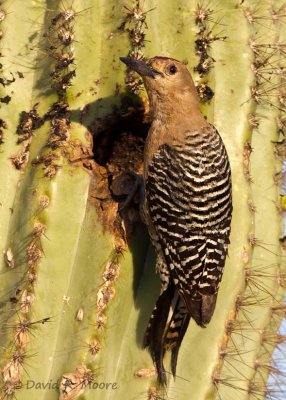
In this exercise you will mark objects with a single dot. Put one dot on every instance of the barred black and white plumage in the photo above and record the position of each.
(188, 206)
(188, 197)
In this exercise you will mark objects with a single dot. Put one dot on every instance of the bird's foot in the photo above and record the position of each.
(128, 188)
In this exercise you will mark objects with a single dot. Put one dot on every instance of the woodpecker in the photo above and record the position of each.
(187, 205)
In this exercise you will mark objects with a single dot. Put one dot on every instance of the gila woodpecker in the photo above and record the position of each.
(187, 205)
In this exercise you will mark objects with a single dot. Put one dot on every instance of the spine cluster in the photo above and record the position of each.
(135, 25)
(21, 303)
(206, 36)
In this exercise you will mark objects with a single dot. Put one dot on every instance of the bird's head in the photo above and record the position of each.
(162, 74)
(165, 79)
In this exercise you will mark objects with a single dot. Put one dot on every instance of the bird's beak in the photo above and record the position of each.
(140, 67)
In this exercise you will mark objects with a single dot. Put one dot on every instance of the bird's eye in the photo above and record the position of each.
(172, 69)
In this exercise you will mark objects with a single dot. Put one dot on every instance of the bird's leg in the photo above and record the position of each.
(137, 188)
(131, 186)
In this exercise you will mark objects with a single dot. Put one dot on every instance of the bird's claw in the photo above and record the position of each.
(128, 184)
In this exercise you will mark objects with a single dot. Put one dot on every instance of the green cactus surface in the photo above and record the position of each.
(77, 273)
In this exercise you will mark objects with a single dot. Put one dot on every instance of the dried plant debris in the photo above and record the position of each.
(106, 291)
(104, 295)
(20, 160)
(6, 82)
(247, 150)
(253, 121)
(9, 258)
(9, 389)
(3, 13)
(29, 121)
(80, 315)
(72, 385)
(154, 394)
(59, 116)
(34, 251)
(12, 371)
(145, 373)
(3, 126)
(50, 163)
(44, 202)
(27, 300)
(5, 99)
(205, 93)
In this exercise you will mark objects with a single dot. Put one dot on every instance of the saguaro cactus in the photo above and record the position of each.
(77, 274)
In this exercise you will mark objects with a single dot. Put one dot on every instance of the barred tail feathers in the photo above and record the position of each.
(166, 329)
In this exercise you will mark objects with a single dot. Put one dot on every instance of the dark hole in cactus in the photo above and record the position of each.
(118, 144)
(116, 128)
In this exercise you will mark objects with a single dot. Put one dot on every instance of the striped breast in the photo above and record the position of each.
(189, 201)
